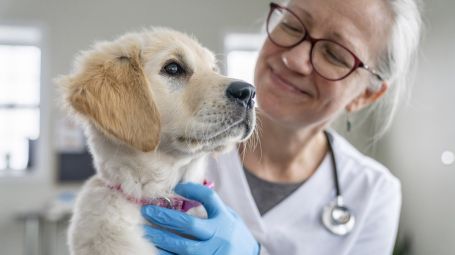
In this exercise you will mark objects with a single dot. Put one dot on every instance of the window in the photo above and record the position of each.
(20, 74)
(242, 52)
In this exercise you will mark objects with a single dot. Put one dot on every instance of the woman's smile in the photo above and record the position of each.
(279, 82)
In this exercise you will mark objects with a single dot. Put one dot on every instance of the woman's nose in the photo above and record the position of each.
(298, 58)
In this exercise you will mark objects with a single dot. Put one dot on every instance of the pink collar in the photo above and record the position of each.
(175, 203)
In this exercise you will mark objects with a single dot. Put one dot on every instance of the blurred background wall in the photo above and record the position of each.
(420, 146)
(412, 149)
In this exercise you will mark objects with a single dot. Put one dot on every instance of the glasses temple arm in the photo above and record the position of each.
(373, 72)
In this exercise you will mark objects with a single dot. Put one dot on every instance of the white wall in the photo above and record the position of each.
(421, 133)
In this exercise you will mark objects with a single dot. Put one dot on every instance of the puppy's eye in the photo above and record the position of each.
(173, 69)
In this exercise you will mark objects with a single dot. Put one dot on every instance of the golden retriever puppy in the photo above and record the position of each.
(152, 105)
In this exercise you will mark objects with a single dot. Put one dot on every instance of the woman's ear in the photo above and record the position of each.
(369, 96)
(111, 90)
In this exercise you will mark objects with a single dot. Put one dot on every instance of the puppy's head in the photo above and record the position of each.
(159, 87)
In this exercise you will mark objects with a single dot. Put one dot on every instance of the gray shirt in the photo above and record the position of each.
(268, 194)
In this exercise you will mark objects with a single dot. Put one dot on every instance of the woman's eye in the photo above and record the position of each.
(173, 69)
(337, 59)
(291, 29)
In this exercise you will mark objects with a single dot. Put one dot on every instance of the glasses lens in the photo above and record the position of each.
(284, 28)
(331, 60)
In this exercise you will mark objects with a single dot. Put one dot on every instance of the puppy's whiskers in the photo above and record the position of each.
(253, 142)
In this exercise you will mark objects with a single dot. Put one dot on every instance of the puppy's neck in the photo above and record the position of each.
(141, 174)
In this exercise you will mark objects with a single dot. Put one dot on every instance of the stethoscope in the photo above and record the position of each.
(336, 217)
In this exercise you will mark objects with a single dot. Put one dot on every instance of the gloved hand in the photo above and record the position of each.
(222, 233)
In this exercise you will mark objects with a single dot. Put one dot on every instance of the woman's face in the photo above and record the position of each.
(289, 91)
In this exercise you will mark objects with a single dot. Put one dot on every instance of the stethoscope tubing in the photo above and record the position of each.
(334, 163)
(336, 217)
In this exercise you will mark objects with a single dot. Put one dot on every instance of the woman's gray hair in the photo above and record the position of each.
(397, 64)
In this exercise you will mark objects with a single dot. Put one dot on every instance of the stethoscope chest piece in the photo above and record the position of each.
(337, 218)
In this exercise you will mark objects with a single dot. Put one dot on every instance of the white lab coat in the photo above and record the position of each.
(294, 226)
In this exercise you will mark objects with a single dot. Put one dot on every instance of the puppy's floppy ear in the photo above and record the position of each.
(112, 91)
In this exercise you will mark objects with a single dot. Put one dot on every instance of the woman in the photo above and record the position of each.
(321, 58)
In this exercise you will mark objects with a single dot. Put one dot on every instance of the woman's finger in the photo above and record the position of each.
(178, 221)
(164, 252)
(169, 242)
(209, 199)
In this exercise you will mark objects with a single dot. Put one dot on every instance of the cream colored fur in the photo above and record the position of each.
(146, 130)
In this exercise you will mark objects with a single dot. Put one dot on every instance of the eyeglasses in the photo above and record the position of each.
(329, 59)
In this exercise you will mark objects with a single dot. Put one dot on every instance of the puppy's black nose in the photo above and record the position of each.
(241, 92)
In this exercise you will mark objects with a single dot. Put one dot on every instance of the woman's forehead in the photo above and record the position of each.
(354, 23)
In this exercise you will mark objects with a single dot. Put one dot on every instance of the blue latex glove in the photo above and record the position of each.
(222, 233)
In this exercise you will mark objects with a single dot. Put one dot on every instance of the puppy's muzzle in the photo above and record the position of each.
(242, 93)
